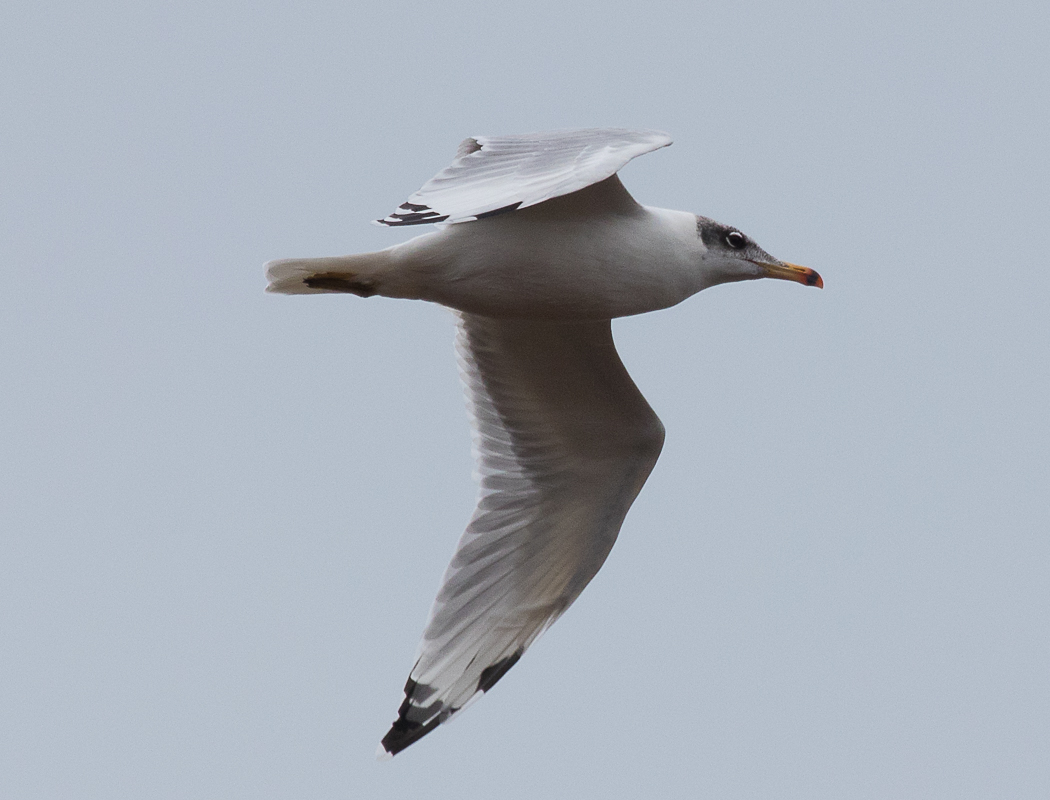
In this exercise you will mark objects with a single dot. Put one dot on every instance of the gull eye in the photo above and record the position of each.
(736, 240)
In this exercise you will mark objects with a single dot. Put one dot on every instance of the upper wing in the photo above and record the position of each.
(563, 442)
(501, 173)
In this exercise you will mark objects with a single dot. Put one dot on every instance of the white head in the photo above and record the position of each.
(729, 255)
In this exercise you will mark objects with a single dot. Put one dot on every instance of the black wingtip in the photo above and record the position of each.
(412, 214)
(408, 727)
(403, 733)
(405, 730)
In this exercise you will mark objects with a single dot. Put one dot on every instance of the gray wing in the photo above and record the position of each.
(492, 174)
(563, 441)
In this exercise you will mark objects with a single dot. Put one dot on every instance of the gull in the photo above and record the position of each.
(539, 246)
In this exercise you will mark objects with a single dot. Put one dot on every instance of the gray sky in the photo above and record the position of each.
(224, 514)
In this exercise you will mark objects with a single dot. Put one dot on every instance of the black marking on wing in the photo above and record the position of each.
(415, 720)
(408, 727)
(494, 212)
(405, 732)
(419, 692)
(414, 214)
(413, 219)
(493, 673)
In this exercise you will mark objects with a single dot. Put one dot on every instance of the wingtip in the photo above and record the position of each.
(665, 137)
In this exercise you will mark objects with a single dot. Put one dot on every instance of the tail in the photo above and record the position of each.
(357, 274)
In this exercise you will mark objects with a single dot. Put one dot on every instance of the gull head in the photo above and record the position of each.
(729, 255)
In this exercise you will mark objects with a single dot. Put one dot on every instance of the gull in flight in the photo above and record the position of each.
(539, 247)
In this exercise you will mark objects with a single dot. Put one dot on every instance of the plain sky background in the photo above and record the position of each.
(224, 514)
